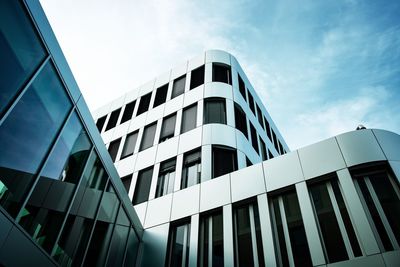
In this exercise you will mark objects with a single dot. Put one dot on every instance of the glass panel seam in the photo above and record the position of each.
(286, 231)
(71, 202)
(369, 216)
(43, 162)
(94, 223)
(253, 235)
(23, 90)
(381, 214)
(339, 220)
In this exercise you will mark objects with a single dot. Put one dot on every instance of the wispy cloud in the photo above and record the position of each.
(321, 67)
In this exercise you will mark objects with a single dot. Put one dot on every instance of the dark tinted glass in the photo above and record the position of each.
(191, 171)
(168, 128)
(166, 178)
(113, 149)
(254, 141)
(263, 149)
(240, 120)
(97, 251)
(21, 50)
(346, 219)
(270, 156)
(243, 242)
(129, 146)
(197, 77)
(113, 119)
(126, 180)
(189, 117)
(260, 116)
(281, 148)
(128, 112)
(214, 110)
(221, 73)
(275, 141)
(144, 104)
(27, 133)
(76, 232)
(248, 162)
(100, 123)
(328, 224)
(389, 200)
(161, 95)
(268, 129)
(178, 247)
(148, 136)
(251, 103)
(211, 240)
(179, 86)
(279, 235)
(375, 216)
(47, 206)
(142, 187)
(297, 234)
(132, 247)
(117, 247)
(224, 160)
(109, 205)
(242, 87)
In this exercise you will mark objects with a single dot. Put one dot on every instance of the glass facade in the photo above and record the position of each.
(53, 183)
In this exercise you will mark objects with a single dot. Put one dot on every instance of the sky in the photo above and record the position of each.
(321, 68)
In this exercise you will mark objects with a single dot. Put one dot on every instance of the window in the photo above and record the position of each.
(248, 162)
(168, 128)
(161, 95)
(281, 147)
(380, 196)
(126, 181)
(270, 155)
(221, 73)
(336, 229)
(178, 245)
(247, 236)
(142, 187)
(251, 103)
(166, 178)
(113, 119)
(100, 123)
(254, 141)
(128, 112)
(113, 149)
(197, 77)
(48, 204)
(148, 136)
(191, 171)
(179, 86)
(189, 117)
(259, 115)
(275, 141)
(242, 87)
(211, 240)
(263, 149)
(290, 239)
(224, 160)
(268, 129)
(214, 110)
(129, 146)
(240, 120)
(21, 50)
(144, 104)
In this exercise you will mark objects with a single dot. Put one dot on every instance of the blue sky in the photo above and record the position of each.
(321, 67)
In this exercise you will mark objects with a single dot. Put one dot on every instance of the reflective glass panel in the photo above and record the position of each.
(26, 135)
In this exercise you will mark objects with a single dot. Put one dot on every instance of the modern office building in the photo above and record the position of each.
(207, 179)
(214, 184)
(61, 199)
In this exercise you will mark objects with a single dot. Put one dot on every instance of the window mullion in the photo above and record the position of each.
(210, 241)
(382, 215)
(286, 231)
(253, 236)
(339, 219)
